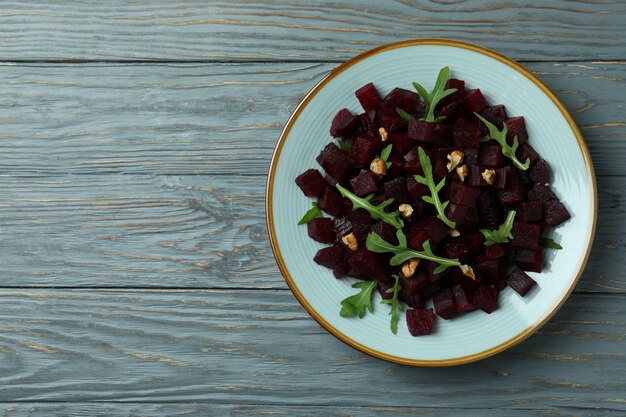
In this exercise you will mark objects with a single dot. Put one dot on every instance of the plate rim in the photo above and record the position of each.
(270, 218)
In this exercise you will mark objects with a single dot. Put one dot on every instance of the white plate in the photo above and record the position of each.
(551, 132)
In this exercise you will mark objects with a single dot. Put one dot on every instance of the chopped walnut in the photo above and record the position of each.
(350, 241)
(489, 175)
(455, 158)
(454, 233)
(409, 267)
(468, 271)
(383, 134)
(378, 166)
(462, 172)
(406, 210)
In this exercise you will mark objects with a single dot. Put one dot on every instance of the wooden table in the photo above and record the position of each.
(136, 273)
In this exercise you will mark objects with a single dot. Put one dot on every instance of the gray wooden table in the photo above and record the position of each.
(136, 273)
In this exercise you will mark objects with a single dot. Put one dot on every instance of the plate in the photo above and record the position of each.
(552, 133)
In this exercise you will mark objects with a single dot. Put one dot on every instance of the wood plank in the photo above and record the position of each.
(188, 119)
(191, 231)
(223, 410)
(298, 29)
(260, 347)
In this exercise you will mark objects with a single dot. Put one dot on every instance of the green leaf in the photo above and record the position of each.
(377, 212)
(548, 243)
(401, 253)
(358, 304)
(502, 234)
(405, 116)
(435, 96)
(395, 304)
(313, 212)
(429, 181)
(384, 155)
(500, 137)
(345, 146)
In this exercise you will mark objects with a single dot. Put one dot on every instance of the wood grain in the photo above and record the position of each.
(303, 30)
(186, 231)
(260, 347)
(189, 119)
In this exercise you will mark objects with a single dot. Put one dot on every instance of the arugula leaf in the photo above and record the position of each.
(313, 212)
(548, 243)
(502, 234)
(375, 243)
(404, 115)
(395, 304)
(500, 137)
(359, 303)
(429, 181)
(377, 212)
(385, 154)
(345, 146)
(434, 97)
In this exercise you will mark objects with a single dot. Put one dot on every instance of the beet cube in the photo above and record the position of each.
(555, 212)
(516, 127)
(490, 217)
(495, 115)
(365, 183)
(488, 269)
(456, 213)
(420, 321)
(436, 229)
(331, 202)
(466, 133)
(387, 232)
(415, 238)
(334, 161)
(396, 189)
(415, 189)
(363, 149)
(330, 256)
(512, 195)
(497, 251)
(486, 298)
(529, 211)
(342, 226)
(414, 284)
(529, 260)
(442, 134)
(399, 97)
(413, 301)
(382, 289)
(401, 144)
(459, 94)
(474, 101)
(368, 97)
(520, 281)
(431, 288)
(311, 182)
(361, 223)
(541, 193)
(539, 172)
(344, 123)
(321, 229)
(369, 265)
(527, 151)
(491, 155)
(466, 195)
(443, 302)
(526, 235)
(341, 269)
(462, 299)
(390, 120)
(456, 249)
(421, 131)
(449, 110)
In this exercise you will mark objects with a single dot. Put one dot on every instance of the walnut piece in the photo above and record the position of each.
(409, 267)
(383, 134)
(462, 172)
(350, 241)
(489, 175)
(455, 158)
(468, 271)
(454, 233)
(378, 166)
(406, 210)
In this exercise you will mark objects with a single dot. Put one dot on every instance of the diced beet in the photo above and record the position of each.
(497, 251)
(342, 226)
(369, 265)
(368, 97)
(495, 115)
(330, 256)
(361, 223)
(458, 277)
(474, 101)
(344, 123)
(420, 321)
(471, 156)
(529, 211)
(390, 120)
(488, 269)
(421, 131)
(502, 174)
(415, 189)
(539, 172)
(512, 195)
(472, 215)
(431, 288)
(341, 269)
(456, 213)
(462, 299)
(396, 189)
(475, 242)
(555, 212)
(334, 161)
(490, 217)
(387, 232)
(414, 284)
(466, 195)
(399, 97)
(413, 301)
(321, 229)
(429, 270)
(311, 182)
(520, 281)
(516, 127)
(527, 151)
(487, 198)
(369, 123)
(436, 229)
(466, 133)
(491, 155)
(365, 183)
(458, 95)
(416, 237)
(401, 142)
(382, 289)
(526, 235)
(486, 298)
(541, 193)
(529, 260)
(442, 134)
(443, 302)
(331, 202)
(456, 249)
(449, 110)
(363, 149)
